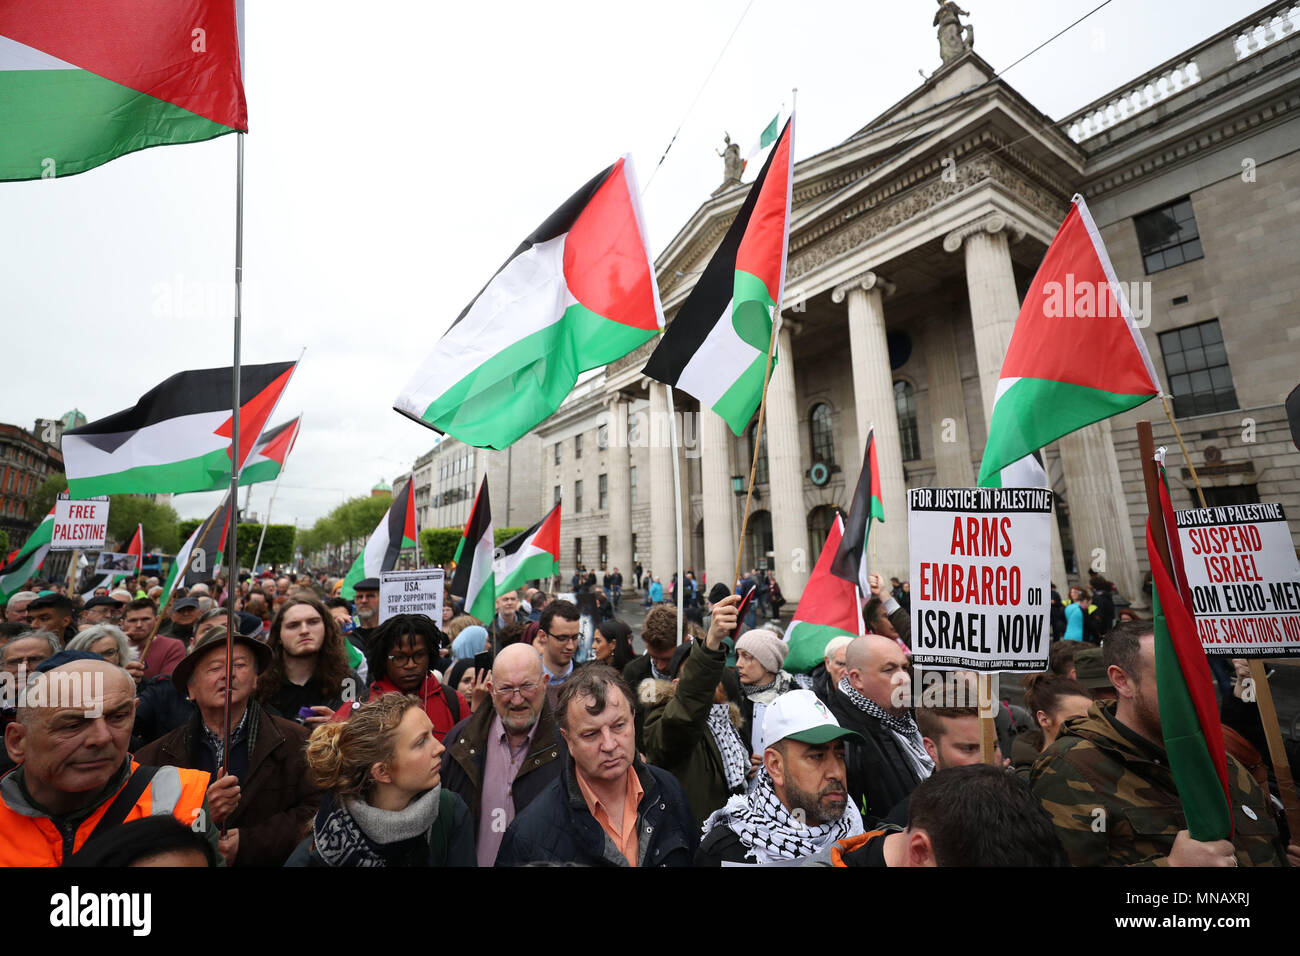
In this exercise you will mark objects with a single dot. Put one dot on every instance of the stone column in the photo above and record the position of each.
(873, 399)
(618, 457)
(785, 474)
(719, 501)
(1099, 514)
(663, 534)
(991, 285)
(952, 451)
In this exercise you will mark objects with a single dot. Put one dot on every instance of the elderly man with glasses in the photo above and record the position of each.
(501, 757)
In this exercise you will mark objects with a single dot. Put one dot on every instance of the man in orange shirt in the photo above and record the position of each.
(607, 808)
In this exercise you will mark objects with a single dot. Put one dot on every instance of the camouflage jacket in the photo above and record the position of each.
(1112, 797)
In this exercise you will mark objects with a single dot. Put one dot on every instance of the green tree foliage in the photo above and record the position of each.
(277, 549)
(4, 542)
(42, 499)
(160, 521)
(346, 527)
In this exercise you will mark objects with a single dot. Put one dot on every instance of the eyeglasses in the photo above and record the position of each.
(527, 690)
(401, 660)
(563, 639)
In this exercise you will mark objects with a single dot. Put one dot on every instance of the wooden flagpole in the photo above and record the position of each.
(677, 508)
(1258, 674)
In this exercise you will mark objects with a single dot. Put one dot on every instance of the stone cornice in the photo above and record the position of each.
(992, 223)
(866, 282)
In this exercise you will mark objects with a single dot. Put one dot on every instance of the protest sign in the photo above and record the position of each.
(411, 592)
(80, 523)
(1244, 579)
(114, 561)
(980, 574)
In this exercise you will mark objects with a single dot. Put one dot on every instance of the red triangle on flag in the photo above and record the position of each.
(253, 416)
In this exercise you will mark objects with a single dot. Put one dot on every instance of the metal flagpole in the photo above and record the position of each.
(232, 542)
(677, 501)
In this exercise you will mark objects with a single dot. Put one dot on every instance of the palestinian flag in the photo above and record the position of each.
(202, 554)
(578, 293)
(1075, 309)
(395, 532)
(830, 607)
(269, 453)
(850, 561)
(177, 437)
(716, 347)
(83, 84)
(473, 580)
(1189, 715)
(531, 555)
(22, 563)
(108, 578)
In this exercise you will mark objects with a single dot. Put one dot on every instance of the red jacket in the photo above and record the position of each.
(434, 696)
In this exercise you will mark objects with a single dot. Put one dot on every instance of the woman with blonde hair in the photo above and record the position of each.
(384, 804)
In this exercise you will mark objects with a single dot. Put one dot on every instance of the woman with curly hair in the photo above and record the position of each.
(384, 804)
(308, 677)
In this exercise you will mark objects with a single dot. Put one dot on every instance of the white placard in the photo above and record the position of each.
(1242, 570)
(411, 592)
(79, 523)
(981, 577)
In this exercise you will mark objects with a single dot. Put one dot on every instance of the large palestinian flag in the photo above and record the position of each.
(23, 563)
(82, 84)
(473, 579)
(850, 561)
(177, 437)
(531, 555)
(716, 347)
(1051, 382)
(830, 607)
(202, 554)
(578, 293)
(268, 455)
(1189, 713)
(394, 532)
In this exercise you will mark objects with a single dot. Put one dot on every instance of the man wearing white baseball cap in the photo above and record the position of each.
(799, 803)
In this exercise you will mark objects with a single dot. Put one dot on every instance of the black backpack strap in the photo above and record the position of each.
(453, 705)
(126, 798)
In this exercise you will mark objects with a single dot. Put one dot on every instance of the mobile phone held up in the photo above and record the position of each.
(742, 608)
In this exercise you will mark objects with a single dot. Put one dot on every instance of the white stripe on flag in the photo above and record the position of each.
(20, 56)
(722, 358)
(163, 443)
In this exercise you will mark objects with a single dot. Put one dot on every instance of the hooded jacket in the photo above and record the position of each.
(435, 698)
(1099, 769)
(677, 735)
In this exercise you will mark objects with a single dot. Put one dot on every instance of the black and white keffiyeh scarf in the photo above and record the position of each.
(772, 832)
(350, 832)
(735, 758)
(904, 728)
(766, 693)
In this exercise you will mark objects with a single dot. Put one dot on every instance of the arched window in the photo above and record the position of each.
(820, 520)
(760, 472)
(822, 442)
(905, 405)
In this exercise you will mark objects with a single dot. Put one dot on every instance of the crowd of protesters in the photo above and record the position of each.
(304, 732)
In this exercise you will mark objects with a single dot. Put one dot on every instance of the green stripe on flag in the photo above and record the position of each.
(210, 472)
(355, 573)
(807, 644)
(535, 568)
(751, 315)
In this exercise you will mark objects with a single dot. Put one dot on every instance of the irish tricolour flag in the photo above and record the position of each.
(1076, 356)
(473, 579)
(532, 555)
(716, 347)
(577, 294)
(394, 532)
(84, 83)
(24, 562)
(830, 607)
(177, 437)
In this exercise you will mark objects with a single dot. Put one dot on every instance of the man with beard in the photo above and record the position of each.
(500, 758)
(184, 615)
(799, 804)
(367, 605)
(309, 669)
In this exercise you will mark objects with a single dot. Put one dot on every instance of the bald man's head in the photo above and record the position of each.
(518, 687)
(877, 669)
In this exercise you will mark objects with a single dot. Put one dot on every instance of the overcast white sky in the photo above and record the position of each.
(398, 152)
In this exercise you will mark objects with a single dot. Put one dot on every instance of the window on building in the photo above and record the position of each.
(577, 446)
(602, 487)
(635, 556)
(1231, 495)
(604, 551)
(557, 452)
(905, 406)
(577, 496)
(1168, 236)
(1196, 364)
(760, 473)
(559, 494)
(819, 431)
(577, 551)
(631, 480)
(602, 436)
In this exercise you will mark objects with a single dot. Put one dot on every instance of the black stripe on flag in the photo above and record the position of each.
(703, 308)
(185, 393)
(211, 539)
(847, 563)
(397, 525)
(480, 519)
(556, 224)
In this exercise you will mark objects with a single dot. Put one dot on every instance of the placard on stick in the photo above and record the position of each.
(411, 592)
(79, 523)
(980, 577)
(1242, 570)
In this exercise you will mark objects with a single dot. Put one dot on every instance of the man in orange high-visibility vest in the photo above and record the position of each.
(75, 777)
